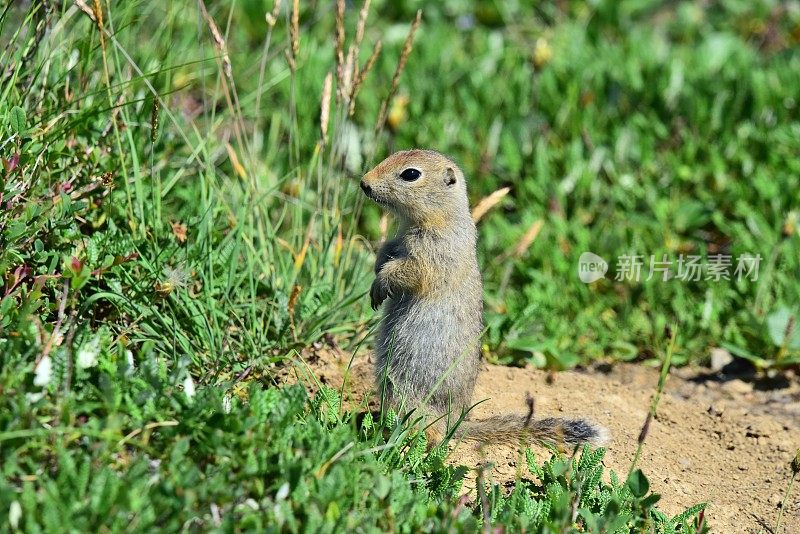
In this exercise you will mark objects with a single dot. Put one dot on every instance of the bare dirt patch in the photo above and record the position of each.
(716, 439)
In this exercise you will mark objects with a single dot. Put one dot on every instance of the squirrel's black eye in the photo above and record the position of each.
(410, 174)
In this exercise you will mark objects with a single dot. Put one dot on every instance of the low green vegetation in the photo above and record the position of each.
(179, 218)
(283, 463)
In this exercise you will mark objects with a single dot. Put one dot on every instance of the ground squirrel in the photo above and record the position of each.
(428, 345)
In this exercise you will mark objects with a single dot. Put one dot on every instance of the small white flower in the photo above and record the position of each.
(283, 492)
(87, 355)
(14, 514)
(226, 404)
(131, 364)
(43, 372)
(33, 398)
(188, 386)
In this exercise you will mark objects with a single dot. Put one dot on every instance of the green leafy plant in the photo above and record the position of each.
(178, 219)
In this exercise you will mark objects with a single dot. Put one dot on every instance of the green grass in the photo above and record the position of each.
(648, 130)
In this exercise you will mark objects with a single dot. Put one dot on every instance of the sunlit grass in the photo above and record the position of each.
(180, 210)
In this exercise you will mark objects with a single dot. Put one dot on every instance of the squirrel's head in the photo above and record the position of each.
(423, 187)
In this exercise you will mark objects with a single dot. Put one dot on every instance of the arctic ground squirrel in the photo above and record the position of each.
(428, 344)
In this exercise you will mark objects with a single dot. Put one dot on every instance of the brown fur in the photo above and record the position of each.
(428, 345)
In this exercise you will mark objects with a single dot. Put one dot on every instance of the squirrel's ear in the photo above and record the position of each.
(449, 176)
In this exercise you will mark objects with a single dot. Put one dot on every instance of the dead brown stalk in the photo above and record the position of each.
(401, 64)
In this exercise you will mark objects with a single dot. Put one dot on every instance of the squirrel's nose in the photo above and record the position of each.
(367, 189)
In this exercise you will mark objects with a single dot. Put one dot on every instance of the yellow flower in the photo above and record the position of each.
(398, 113)
(542, 53)
(791, 224)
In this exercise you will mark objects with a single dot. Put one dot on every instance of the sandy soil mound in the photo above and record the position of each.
(717, 438)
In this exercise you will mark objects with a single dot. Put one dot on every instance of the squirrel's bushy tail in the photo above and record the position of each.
(514, 428)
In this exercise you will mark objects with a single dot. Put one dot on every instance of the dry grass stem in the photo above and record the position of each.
(272, 18)
(98, 19)
(219, 41)
(300, 258)
(362, 22)
(355, 48)
(294, 28)
(488, 202)
(337, 249)
(293, 298)
(671, 335)
(645, 428)
(235, 163)
(347, 73)
(352, 66)
(154, 120)
(291, 305)
(86, 9)
(401, 64)
(362, 75)
(528, 238)
(325, 107)
(339, 50)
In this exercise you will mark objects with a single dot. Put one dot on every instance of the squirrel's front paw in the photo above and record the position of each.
(377, 294)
